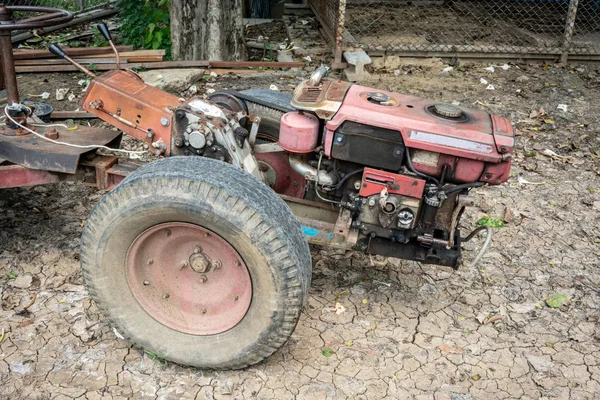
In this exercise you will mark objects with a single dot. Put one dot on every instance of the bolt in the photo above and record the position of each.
(238, 263)
(180, 114)
(150, 261)
(51, 134)
(164, 121)
(166, 296)
(217, 264)
(503, 150)
(371, 202)
(488, 176)
(203, 278)
(183, 264)
(168, 232)
(357, 185)
(150, 135)
(295, 184)
(236, 297)
(197, 249)
(204, 311)
(146, 283)
(178, 143)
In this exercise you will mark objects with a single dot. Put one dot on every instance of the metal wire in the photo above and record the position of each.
(516, 27)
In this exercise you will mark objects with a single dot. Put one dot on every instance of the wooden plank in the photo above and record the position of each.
(27, 54)
(164, 65)
(126, 54)
(255, 64)
(71, 115)
(65, 62)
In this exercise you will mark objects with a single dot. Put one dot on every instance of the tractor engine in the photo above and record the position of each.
(398, 167)
(370, 170)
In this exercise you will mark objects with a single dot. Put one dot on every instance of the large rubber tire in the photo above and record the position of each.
(228, 201)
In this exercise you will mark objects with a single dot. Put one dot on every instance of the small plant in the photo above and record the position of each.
(146, 24)
(160, 358)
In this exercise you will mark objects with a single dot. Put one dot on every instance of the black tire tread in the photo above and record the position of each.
(213, 181)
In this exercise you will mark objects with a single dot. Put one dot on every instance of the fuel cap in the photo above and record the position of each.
(379, 97)
(447, 110)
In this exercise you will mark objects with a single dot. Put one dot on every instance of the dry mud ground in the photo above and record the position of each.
(408, 330)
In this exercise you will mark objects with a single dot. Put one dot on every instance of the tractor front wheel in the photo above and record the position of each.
(198, 262)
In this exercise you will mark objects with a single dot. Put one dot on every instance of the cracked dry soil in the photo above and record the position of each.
(408, 330)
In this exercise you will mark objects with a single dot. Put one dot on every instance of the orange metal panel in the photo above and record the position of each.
(136, 107)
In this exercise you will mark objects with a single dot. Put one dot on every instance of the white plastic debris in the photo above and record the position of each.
(260, 38)
(61, 93)
(448, 69)
(505, 67)
(273, 87)
(339, 308)
(483, 81)
(490, 87)
(117, 334)
(308, 58)
(490, 68)
(193, 89)
(213, 74)
(562, 107)
(523, 181)
(45, 95)
(397, 72)
(210, 91)
(455, 103)
(71, 97)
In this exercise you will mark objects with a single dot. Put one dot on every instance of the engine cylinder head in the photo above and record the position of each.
(299, 132)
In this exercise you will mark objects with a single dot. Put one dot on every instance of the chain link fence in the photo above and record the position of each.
(485, 28)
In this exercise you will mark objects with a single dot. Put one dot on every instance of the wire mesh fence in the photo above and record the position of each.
(516, 27)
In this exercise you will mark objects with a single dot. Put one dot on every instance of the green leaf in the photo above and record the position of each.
(557, 300)
(11, 275)
(491, 222)
(327, 351)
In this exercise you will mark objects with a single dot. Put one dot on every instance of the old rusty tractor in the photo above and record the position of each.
(203, 256)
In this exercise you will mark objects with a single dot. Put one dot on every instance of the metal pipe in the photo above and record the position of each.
(8, 68)
(339, 37)
(317, 76)
(569, 27)
(117, 57)
(309, 172)
(81, 67)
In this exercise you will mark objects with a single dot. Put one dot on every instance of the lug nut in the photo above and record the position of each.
(217, 264)
(203, 278)
(197, 249)
(150, 261)
(146, 283)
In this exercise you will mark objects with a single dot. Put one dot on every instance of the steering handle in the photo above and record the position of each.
(50, 16)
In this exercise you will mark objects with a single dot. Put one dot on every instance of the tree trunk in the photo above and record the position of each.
(207, 30)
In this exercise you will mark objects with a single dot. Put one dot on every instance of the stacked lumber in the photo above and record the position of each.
(103, 59)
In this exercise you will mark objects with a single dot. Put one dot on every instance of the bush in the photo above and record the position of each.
(146, 24)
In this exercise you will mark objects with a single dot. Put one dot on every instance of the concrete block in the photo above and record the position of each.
(356, 65)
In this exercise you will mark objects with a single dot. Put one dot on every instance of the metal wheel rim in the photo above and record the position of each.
(188, 278)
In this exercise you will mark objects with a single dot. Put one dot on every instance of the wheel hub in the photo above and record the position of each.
(189, 278)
